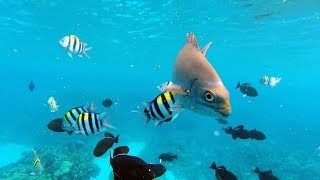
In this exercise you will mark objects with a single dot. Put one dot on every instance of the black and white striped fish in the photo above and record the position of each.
(89, 123)
(162, 108)
(74, 46)
(70, 118)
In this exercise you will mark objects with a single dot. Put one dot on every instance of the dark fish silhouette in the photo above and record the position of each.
(105, 144)
(247, 89)
(257, 135)
(247, 5)
(31, 86)
(168, 157)
(263, 15)
(107, 103)
(222, 173)
(222, 121)
(265, 175)
(56, 125)
(238, 132)
(126, 167)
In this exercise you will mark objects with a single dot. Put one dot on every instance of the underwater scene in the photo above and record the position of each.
(160, 89)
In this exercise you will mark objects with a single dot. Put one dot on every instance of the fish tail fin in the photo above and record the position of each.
(70, 132)
(145, 115)
(34, 152)
(86, 50)
(238, 85)
(116, 139)
(176, 156)
(214, 166)
(105, 118)
(256, 170)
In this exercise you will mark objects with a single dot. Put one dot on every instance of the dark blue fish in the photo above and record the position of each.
(222, 173)
(126, 167)
(105, 144)
(265, 175)
(31, 86)
(238, 132)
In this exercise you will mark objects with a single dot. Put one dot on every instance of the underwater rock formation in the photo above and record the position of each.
(61, 162)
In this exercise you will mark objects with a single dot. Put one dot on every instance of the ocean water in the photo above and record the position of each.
(135, 44)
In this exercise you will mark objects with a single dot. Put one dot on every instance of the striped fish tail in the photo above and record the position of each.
(85, 50)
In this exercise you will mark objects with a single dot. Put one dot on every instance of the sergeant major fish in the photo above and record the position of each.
(201, 85)
(70, 118)
(74, 46)
(162, 108)
(89, 123)
(37, 167)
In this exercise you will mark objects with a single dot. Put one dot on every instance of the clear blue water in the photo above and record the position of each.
(135, 44)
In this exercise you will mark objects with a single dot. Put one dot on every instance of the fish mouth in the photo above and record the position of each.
(225, 111)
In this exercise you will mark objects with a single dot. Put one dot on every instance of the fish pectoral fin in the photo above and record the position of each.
(80, 55)
(174, 88)
(191, 38)
(176, 107)
(205, 49)
(70, 55)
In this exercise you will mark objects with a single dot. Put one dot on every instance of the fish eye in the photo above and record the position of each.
(209, 96)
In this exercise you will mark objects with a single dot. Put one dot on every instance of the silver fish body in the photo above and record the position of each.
(192, 71)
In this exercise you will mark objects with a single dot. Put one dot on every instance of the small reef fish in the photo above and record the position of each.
(194, 74)
(126, 167)
(238, 132)
(53, 104)
(89, 123)
(222, 121)
(222, 173)
(163, 108)
(265, 175)
(31, 86)
(257, 135)
(167, 157)
(56, 125)
(70, 118)
(74, 46)
(107, 103)
(105, 144)
(270, 81)
(247, 90)
(169, 86)
(263, 15)
(37, 167)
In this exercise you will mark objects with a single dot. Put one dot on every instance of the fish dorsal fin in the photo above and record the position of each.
(108, 135)
(246, 84)
(269, 172)
(214, 166)
(205, 49)
(239, 127)
(120, 150)
(191, 38)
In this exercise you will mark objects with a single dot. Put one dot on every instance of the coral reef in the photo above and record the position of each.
(61, 162)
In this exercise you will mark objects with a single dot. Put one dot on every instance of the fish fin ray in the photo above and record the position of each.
(205, 49)
(191, 38)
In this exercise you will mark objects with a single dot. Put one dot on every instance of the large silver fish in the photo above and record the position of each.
(203, 90)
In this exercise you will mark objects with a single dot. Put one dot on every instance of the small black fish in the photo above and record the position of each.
(56, 125)
(107, 103)
(126, 167)
(247, 5)
(263, 15)
(257, 135)
(222, 173)
(237, 132)
(168, 157)
(265, 175)
(222, 121)
(31, 86)
(105, 144)
(247, 89)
